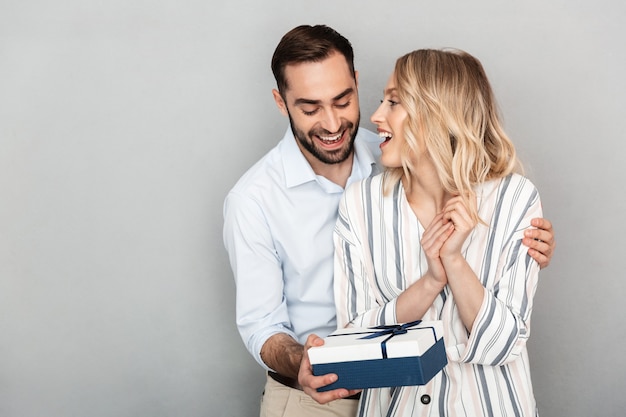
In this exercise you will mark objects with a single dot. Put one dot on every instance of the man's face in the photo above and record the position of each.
(322, 103)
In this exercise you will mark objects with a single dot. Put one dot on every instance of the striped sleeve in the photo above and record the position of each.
(354, 270)
(502, 326)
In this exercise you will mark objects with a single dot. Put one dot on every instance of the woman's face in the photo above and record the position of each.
(389, 118)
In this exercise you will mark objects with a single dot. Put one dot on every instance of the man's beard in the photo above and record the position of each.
(327, 157)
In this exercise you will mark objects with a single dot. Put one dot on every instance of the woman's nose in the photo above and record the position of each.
(377, 115)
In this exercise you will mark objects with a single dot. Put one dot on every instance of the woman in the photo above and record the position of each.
(438, 236)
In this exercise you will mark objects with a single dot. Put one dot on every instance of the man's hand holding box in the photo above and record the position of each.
(382, 356)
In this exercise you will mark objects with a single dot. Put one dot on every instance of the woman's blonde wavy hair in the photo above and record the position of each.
(451, 105)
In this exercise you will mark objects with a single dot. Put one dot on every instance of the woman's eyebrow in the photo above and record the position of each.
(390, 90)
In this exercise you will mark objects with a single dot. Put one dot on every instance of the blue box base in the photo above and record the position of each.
(390, 372)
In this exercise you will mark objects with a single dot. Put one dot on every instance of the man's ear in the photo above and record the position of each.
(282, 106)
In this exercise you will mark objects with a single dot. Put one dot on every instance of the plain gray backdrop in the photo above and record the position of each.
(124, 123)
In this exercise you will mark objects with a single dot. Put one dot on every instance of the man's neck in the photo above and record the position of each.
(337, 173)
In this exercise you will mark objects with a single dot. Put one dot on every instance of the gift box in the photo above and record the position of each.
(382, 356)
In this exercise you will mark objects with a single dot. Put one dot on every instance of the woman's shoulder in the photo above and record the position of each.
(511, 181)
(363, 194)
(514, 189)
(367, 185)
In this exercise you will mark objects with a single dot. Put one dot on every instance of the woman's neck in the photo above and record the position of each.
(425, 195)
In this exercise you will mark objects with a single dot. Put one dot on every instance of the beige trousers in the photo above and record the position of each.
(281, 401)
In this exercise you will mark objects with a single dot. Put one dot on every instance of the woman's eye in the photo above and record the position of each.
(390, 101)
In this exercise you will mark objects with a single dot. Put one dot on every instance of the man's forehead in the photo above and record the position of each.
(320, 80)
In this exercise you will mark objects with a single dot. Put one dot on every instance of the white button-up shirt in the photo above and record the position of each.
(278, 231)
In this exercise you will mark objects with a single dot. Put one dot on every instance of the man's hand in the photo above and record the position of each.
(310, 383)
(283, 354)
(540, 241)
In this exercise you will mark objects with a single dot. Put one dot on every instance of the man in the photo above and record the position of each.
(279, 220)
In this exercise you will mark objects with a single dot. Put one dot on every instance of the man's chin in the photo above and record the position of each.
(336, 156)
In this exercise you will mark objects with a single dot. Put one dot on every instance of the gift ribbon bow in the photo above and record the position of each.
(391, 330)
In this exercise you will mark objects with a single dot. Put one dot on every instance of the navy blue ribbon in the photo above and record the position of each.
(391, 330)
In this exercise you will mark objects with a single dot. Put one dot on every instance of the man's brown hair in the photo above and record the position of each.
(307, 43)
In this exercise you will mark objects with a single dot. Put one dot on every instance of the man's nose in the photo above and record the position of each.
(332, 121)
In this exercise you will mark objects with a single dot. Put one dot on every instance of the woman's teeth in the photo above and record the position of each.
(385, 135)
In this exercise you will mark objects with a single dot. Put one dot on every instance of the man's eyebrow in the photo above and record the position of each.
(339, 96)
(344, 93)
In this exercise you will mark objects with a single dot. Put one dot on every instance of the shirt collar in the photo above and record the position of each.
(298, 170)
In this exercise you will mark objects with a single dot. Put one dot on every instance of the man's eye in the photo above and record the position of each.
(309, 113)
(343, 105)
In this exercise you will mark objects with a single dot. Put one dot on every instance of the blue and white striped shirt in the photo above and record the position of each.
(378, 255)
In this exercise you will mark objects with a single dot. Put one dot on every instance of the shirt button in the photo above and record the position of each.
(425, 399)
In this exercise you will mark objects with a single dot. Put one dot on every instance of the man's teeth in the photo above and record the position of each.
(331, 139)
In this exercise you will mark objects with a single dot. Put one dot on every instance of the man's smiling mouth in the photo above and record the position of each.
(329, 140)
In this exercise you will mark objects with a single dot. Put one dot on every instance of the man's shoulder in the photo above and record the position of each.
(367, 135)
(371, 142)
(265, 171)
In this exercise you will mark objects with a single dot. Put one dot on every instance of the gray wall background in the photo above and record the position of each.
(124, 123)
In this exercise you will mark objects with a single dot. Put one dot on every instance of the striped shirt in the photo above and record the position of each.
(378, 255)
